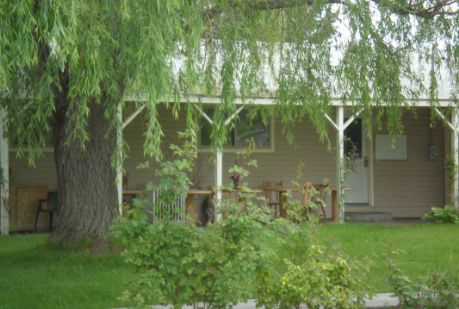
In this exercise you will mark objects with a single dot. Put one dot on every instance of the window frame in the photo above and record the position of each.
(234, 149)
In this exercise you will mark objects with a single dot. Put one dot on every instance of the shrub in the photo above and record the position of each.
(245, 255)
(447, 214)
(297, 271)
(181, 264)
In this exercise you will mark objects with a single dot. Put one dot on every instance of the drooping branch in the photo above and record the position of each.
(423, 8)
(420, 8)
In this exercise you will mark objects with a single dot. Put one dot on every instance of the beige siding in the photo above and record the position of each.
(404, 188)
(409, 188)
(44, 172)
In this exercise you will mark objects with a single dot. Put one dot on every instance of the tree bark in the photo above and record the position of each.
(86, 188)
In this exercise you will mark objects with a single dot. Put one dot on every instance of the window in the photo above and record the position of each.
(245, 128)
(353, 140)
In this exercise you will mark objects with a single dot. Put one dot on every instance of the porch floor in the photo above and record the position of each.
(369, 217)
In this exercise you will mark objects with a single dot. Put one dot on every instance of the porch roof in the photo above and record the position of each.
(272, 100)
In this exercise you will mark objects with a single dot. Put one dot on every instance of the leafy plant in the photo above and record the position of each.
(180, 264)
(297, 271)
(447, 214)
(244, 255)
(302, 211)
(451, 170)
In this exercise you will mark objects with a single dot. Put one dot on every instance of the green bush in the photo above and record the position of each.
(181, 264)
(244, 255)
(298, 271)
(447, 214)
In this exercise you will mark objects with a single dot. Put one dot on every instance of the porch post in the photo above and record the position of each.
(454, 156)
(219, 162)
(340, 161)
(4, 181)
(218, 182)
(119, 165)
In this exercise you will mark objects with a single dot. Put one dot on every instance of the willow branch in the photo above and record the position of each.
(417, 8)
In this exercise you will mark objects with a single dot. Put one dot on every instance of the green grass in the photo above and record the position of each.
(426, 248)
(35, 276)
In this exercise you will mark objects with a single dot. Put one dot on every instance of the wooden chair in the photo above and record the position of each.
(272, 195)
(49, 206)
(314, 196)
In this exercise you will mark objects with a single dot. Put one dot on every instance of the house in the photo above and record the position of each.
(403, 177)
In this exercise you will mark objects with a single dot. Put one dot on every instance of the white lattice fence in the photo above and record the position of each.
(160, 211)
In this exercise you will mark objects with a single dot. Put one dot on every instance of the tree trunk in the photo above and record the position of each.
(86, 188)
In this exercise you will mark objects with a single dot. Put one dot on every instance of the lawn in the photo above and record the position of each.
(426, 247)
(34, 276)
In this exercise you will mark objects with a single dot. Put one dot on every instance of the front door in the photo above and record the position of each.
(356, 152)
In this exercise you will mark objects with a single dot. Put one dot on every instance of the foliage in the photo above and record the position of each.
(298, 271)
(451, 171)
(178, 263)
(243, 162)
(302, 211)
(181, 264)
(437, 290)
(104, 52)
(242, 256)
(62, 62)
(447, 214)
(82, 280)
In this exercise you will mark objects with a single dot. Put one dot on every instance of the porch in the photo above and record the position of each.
(405, 182)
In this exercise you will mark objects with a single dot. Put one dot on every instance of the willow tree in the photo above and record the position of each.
(67, 66)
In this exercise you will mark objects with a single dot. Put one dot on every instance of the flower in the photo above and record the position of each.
(236, 179)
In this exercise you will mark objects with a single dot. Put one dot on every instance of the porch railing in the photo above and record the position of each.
(160, 211)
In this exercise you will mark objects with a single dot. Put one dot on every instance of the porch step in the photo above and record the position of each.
(369, 217)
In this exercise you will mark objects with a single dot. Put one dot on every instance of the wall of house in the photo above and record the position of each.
(405, 188)
(409, 188)
(279, 165)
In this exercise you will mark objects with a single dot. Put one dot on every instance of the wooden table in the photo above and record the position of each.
(132, 192)
(192, 193)
(334, 201)
(128, 195)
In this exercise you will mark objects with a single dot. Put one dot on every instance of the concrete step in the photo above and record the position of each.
(368, 217)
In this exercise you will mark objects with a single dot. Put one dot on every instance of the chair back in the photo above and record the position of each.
(271, 189)
(314, 192)
(314, 196)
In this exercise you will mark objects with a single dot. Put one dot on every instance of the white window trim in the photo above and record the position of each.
(271, 149)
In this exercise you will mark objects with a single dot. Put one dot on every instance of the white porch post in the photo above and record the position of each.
(340, 161)
(218, 182)
(119, 165)
(454, 156)
(219, 162)
(4, 184)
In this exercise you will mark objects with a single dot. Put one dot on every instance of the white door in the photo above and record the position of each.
(356, 151)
